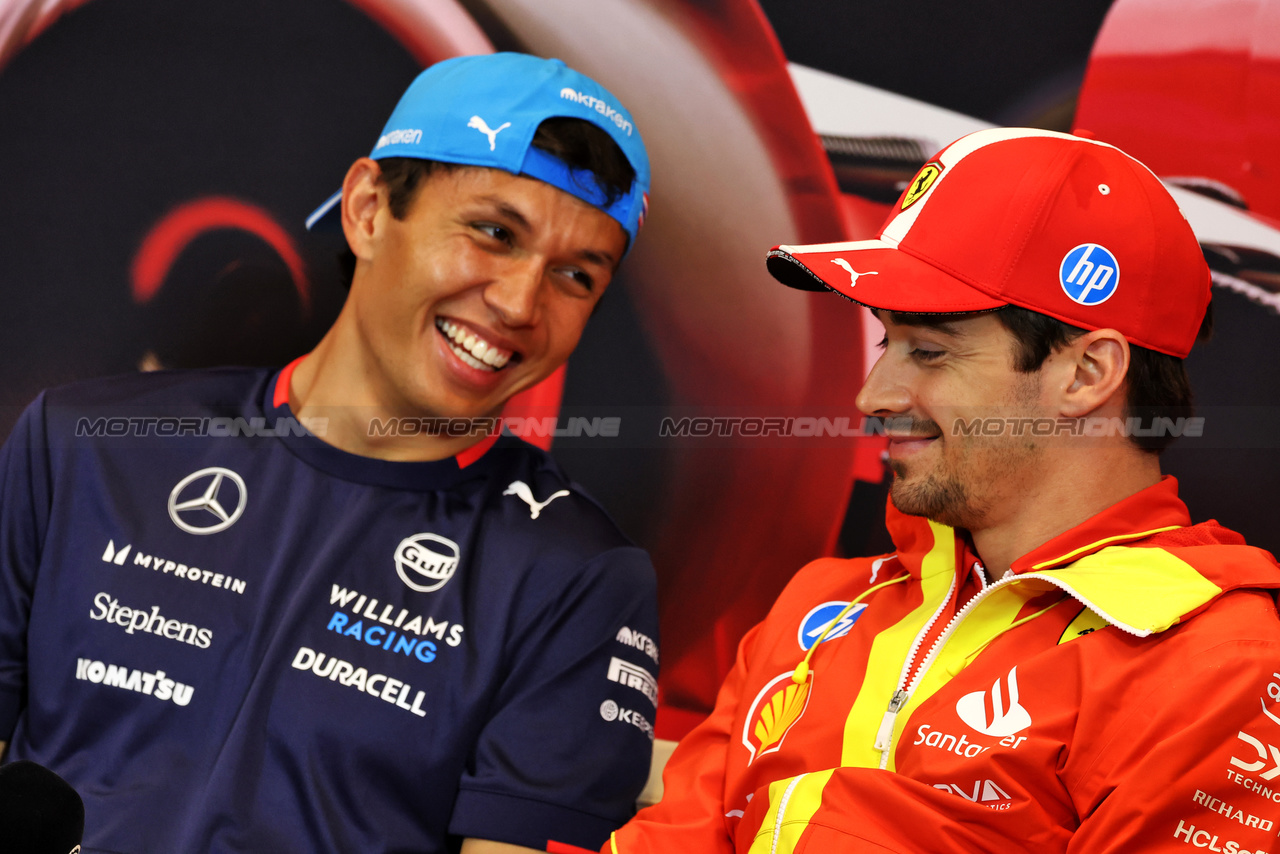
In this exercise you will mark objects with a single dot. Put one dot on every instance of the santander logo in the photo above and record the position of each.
(1007, 715)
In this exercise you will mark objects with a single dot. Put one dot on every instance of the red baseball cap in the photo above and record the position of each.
(1058, 224)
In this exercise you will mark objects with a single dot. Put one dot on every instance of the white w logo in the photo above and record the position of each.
(972, 709)
(480, 125)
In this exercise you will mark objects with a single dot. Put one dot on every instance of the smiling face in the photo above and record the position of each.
(929, 381)
(479, 292)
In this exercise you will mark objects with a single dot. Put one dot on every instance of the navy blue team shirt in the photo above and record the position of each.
(231, 636)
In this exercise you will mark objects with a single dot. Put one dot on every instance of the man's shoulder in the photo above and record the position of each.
(210, 386)
(542, 507)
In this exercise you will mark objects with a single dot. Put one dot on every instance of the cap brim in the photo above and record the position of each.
(327, 217)
(878, 275)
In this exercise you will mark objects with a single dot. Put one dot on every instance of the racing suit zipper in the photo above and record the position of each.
(884, 736)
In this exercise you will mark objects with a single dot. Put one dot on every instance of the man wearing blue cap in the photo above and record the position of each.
(330, 607)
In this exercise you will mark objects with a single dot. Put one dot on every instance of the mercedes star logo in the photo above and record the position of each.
(203, 509)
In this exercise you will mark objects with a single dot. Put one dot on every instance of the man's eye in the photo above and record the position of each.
(580, 277)
(493, 230)
(927, 355)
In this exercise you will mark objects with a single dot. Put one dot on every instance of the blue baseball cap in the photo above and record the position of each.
(483, 111)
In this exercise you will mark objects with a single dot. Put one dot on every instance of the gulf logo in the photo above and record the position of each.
(1089, 274)
(816, 621)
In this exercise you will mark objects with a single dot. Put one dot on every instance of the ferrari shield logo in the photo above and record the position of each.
(921, 183)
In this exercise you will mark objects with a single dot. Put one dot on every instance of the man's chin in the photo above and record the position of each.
(944, 503)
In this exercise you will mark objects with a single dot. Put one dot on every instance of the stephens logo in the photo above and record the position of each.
(769, 720)
(972, 709)
(198, 504)
(426, 562)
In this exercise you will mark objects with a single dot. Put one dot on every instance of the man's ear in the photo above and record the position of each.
(1097, 363)
(363, 195)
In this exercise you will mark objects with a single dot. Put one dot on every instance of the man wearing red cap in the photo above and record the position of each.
(1055, 658)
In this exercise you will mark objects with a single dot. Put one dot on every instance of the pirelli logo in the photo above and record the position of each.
(634, 676)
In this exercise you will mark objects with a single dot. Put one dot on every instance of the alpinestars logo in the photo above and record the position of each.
(1004, 719)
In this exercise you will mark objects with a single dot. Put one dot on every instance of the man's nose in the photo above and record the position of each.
(884, 390)
(515, 294)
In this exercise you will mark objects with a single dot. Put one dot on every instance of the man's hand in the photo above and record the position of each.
(488, 846)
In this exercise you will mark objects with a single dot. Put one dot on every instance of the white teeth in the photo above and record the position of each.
(472, 349)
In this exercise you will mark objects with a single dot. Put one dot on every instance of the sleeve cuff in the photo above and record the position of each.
(527, 822)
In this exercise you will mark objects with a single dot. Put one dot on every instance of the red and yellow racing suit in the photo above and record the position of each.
(1118, 690)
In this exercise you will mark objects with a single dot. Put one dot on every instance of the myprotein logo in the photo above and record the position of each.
(426, 562)
(208, 501)
(1002, 716)
(1089, 274)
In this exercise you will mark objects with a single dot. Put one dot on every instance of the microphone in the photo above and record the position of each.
(39, 812)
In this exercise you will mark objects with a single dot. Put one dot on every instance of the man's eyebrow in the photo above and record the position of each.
(604, 259)
(509, 211)
(512, 213)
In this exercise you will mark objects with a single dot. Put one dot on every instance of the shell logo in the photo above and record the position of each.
(773, 712)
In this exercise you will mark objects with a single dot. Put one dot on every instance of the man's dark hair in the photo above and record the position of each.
(1157, 383)
(578, 143)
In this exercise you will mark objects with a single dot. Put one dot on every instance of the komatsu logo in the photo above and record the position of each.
(603, 108)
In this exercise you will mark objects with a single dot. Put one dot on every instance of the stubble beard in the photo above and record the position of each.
(939, 497)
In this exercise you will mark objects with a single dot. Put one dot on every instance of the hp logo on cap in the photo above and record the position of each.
(1089, 274)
